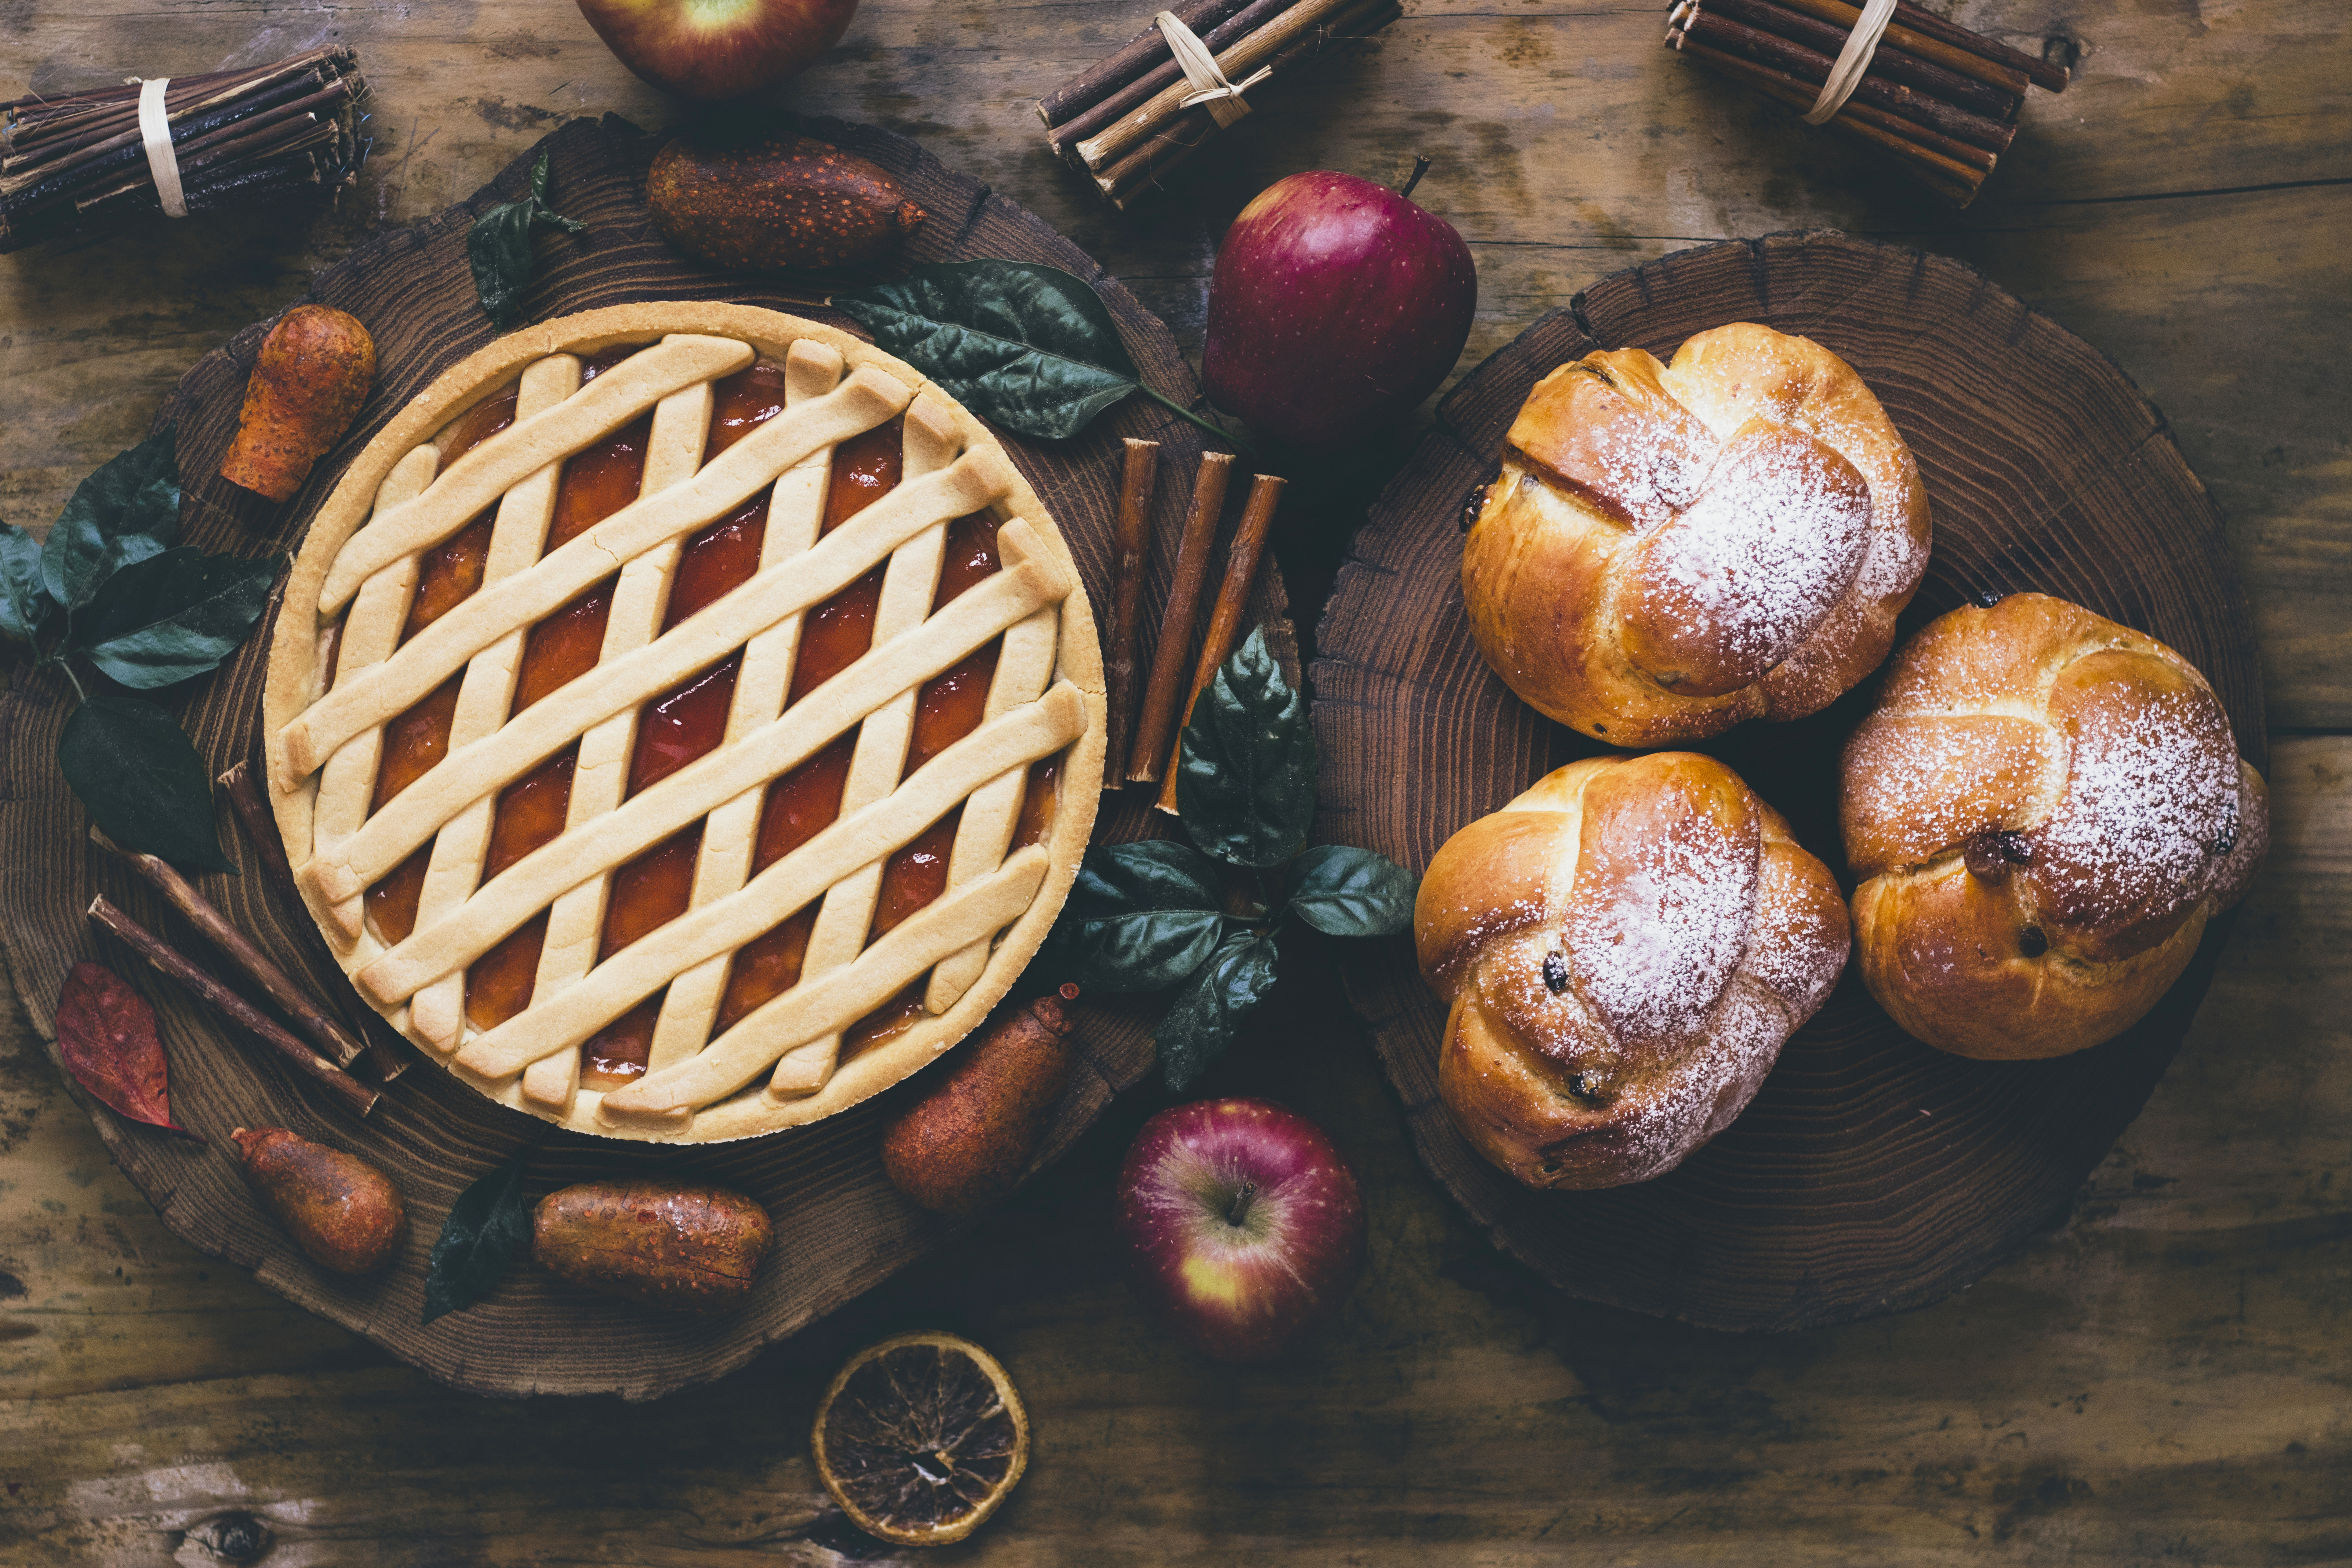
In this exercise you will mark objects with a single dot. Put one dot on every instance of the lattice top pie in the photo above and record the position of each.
(668, 720)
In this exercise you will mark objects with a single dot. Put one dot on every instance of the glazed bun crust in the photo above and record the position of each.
(2045, 810)
(1623, 950)
(1672, 549)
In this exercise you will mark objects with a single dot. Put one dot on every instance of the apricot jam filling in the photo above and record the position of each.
(689, 720)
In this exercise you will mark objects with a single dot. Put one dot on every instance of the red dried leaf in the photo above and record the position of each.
(106, 1032)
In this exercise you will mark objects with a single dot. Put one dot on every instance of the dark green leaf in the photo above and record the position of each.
(1030, 347)
(1141, 917)
(128, 510)
(487, 1226)
(25, 602)
(1245, 785)
(1157, 874)
(141, 780)
(1201, 1025)
(173, 615)
(1351, 892)
(499, 250)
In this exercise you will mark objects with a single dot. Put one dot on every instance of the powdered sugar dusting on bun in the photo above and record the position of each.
(2046, 809)
(2151, 804)
(1684, 936)
(1669, 550)
(1664, 893)
(1721, 594)
(1917, 784)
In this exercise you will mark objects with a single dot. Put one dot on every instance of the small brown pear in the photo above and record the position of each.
(774, 202)
(680, 1245)
(967, 1143)
(345, 1213)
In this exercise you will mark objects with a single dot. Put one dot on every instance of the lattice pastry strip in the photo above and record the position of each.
(795, 517)
(746, 765)
(909, 587)
(370, 634)
(993, 814)
(599, 778)
(491, 470)
(857, 839)
(539, 732)
(441, 650)
(484, 700)
(681, 808)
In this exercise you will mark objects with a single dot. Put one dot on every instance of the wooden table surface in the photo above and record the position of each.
(2159, 1375)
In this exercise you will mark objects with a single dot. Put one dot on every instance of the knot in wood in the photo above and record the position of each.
(238, 1537)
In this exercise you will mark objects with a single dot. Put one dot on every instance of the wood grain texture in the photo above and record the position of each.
(2157, 1376)
(2154, 1378)
(1871, 1173)
(2180, 205)
(840, 1226)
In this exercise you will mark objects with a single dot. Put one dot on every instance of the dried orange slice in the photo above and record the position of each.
(920, 1438)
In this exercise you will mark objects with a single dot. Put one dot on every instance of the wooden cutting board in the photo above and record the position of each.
(1871, 1173)
(840, 1226)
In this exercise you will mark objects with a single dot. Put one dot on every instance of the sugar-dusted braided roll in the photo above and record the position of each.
(2044, 811)
(1624, 949)
(1672, 549)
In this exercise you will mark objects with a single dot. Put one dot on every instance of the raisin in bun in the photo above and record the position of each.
(1671, 549)
(1623, 950)
(2045, 810)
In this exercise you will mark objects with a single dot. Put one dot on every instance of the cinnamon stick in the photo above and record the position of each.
(1174, 140)
(1810, 66)
(1078, 128)
(1151, 748)
(168, 961)
(1967, 62)
(1237, 62)
(331, 1039)
(1994, 102)
(252, 814)
(260, 827)
(1131, 542)
(1874, 128)
(1134, 58)
(1233, 600)
(2042, 73)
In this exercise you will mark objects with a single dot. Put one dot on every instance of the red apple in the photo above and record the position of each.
(714, 49)
(1335, 306)
(1243, 1226)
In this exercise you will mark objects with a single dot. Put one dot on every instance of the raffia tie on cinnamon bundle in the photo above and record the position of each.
(1136, 115)
(82, 163)
(1941, 101)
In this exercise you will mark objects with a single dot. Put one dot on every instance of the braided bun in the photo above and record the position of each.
(1670, 550)
(2045, 809)
(1623, 950)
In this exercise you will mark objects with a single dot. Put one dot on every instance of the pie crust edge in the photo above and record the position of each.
(293, 655)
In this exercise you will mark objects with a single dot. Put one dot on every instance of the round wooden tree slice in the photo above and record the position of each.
(1871, 1173)
(840, 1226)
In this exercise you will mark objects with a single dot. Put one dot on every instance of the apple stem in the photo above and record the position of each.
(1241, 1206)
(1420, 167)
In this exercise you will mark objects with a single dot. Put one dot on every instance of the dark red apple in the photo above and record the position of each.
(1335, 306)
(715, 49)
(1243, 1226)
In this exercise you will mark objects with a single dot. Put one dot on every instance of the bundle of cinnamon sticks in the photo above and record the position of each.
(78, 164)
(1147, 713)
(1125, 121)
(1938, 99)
